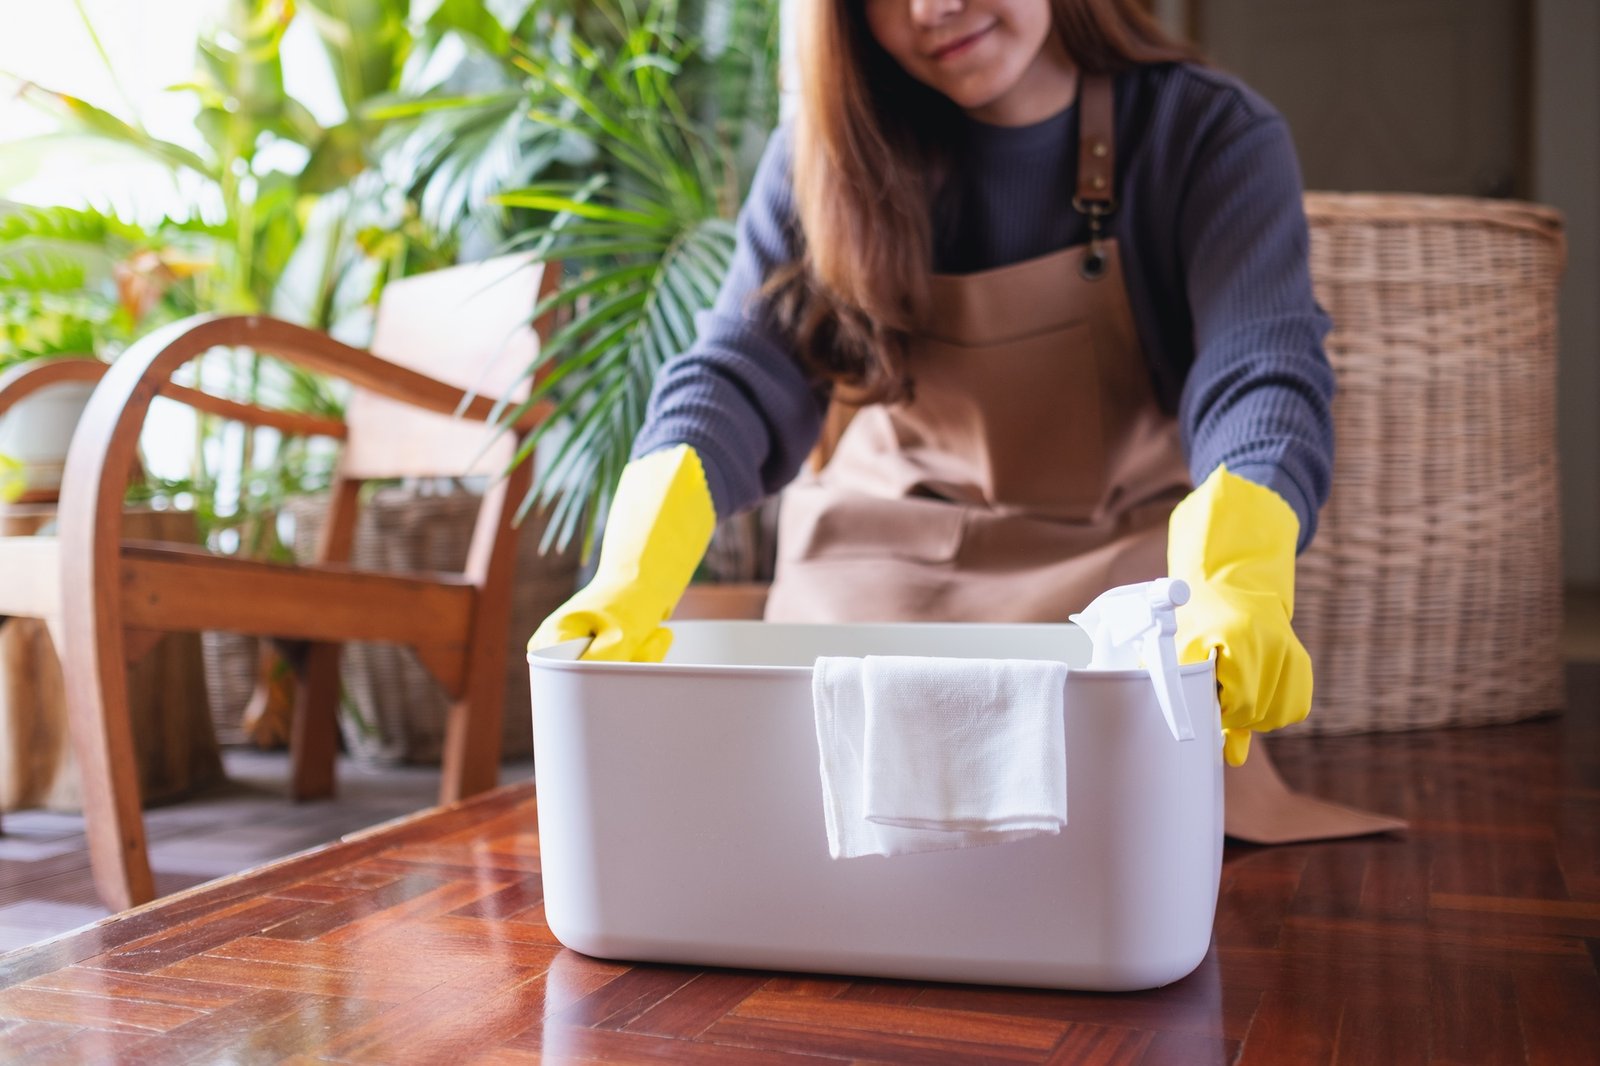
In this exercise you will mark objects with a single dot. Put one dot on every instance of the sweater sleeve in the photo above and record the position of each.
(739, 396)
(1259, 394)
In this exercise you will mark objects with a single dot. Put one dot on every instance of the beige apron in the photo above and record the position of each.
(1032, 470)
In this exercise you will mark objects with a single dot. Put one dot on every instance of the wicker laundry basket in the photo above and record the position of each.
(1432, 593)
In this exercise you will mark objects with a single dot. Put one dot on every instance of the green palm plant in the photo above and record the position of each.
(289, 216)
(81, 281)
(645, 232)
(456, 130)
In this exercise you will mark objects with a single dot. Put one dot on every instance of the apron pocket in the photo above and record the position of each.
(816, 522)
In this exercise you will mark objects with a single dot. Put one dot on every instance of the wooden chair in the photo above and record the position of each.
(178, 750)
(451, 343)
(731, 600)
(26, 590)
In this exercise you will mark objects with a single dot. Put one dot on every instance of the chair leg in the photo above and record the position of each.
(472, 732)
(102, 740)
(268, 717)
(314, 733)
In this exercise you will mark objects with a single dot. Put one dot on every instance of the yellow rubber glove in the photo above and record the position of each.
(656, 534)
(1233, 541)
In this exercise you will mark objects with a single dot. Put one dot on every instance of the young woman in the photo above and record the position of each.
(1056, 271)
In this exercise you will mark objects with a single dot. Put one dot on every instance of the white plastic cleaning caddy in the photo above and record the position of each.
(680, 815)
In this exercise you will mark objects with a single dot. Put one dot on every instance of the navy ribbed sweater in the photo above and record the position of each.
(1214, 247)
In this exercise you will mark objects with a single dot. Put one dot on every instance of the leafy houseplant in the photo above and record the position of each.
(445, 101)
(645, 230)
(644, 123)
(289, 217)
(455, 131)
(74, 282)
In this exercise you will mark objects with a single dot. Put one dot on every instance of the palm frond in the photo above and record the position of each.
(82, 115)
(643, 232)
(76, 225)
(41, 271)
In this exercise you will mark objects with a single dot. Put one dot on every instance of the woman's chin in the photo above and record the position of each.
(974, 99)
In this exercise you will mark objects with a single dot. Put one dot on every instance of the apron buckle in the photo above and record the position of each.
(1093, 267)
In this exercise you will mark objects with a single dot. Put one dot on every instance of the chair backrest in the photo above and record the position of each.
(468, 326)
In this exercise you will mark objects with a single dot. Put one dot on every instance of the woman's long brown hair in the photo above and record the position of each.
(868, 159)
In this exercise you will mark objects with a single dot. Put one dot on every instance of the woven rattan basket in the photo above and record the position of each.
(1432, 593)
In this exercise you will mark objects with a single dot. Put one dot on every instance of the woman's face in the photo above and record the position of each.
(998, 59)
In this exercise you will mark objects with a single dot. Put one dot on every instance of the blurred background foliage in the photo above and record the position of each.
(621, 143)
(619, 135)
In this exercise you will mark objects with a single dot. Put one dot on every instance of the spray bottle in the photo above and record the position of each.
(1133, 628)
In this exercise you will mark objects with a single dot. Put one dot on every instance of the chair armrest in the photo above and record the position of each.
(36, 374)
(105, 443)
(318, 351)
(289, 423)
(27, 378)
(110, 427)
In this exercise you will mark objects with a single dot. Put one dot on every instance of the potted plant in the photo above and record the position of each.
(675, 120)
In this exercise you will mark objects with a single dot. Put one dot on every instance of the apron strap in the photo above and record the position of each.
(1096, 145)
(1097, 166)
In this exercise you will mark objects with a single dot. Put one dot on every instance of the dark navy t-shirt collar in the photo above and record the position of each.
(1019, 139)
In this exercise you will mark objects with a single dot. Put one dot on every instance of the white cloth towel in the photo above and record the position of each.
(928, 754)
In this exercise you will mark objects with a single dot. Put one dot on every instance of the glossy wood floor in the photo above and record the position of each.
(46, 887)
(1475, 939)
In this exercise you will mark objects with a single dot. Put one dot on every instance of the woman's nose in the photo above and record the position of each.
(933, 12)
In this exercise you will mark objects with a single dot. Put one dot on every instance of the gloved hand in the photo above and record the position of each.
(1233, 541)
(658, 530)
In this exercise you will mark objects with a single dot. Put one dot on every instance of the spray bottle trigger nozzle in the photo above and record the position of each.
(1134, 626)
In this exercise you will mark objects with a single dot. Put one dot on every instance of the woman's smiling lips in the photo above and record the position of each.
(959, 46)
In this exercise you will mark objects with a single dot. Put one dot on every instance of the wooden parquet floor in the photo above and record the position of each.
(1473, 939)
(46, 887)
